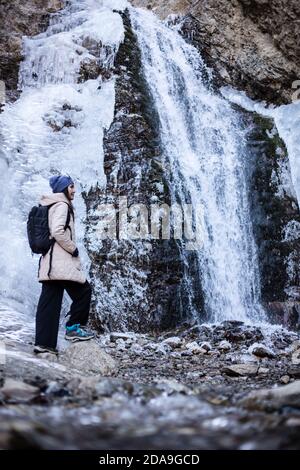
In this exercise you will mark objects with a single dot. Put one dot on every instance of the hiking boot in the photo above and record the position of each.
(38, 349)
(78, 333)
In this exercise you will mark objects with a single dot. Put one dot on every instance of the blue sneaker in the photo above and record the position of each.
(78, 333)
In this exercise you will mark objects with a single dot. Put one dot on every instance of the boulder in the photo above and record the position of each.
(173, 341)
(224, 346)
(275, 398)
(17, 391)
(88, 358)
(237, 370)
(260, 350)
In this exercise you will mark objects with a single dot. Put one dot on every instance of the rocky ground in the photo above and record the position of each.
(228, 386)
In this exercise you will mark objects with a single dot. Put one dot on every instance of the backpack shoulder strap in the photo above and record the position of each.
(68, 218)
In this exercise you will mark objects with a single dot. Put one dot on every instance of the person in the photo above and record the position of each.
(61, 269)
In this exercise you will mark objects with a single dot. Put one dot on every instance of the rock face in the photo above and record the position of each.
(275, 218)
(140, 283)
(18, 19)
(252, 45)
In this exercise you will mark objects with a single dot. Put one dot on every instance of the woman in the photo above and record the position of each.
(61, 269)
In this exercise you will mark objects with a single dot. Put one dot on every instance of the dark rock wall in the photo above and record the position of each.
(140, 284)
(275, 216)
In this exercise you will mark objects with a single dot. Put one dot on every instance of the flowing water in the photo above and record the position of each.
(204, 144)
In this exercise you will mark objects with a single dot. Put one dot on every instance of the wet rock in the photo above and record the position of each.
(237, 370)
(260, 350)
(275, 398)
(88, 358)
(17, 391)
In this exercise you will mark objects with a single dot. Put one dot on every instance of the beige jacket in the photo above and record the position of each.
(64, 265)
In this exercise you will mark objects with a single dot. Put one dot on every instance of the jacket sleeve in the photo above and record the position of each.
(57, 221)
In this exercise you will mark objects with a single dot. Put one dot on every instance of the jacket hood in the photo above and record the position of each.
(48, 199)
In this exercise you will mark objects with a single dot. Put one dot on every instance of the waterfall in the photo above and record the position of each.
(205, 148)
(55, 126)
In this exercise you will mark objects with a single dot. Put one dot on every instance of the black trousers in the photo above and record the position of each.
(49, 307)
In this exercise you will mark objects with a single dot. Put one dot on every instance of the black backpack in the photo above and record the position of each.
(38, 229)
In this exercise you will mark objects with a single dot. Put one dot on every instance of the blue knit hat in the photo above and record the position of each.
(59, 183)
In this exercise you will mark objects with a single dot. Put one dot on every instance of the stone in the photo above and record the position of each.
(172, 386)
(295, 345)
(54, 5)
(173, 341)
(224, 346)
(296, 357)
(237, 370)
(17, 391)
(120, 345)
(88, 358)
(263, 370)
(285, 379)
(275, 398)
(294, 372)
(207, 346)
(291, 422)
(189, 352)
(260, 350)
(118, 335)
(136, 349)
(194, 348)
(107, 387)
